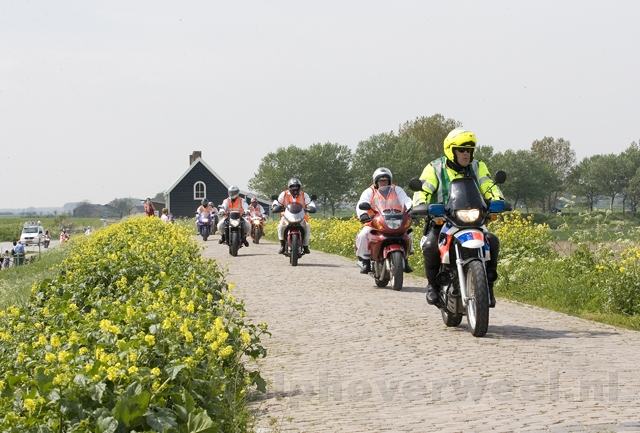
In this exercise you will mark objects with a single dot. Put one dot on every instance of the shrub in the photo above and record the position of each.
(135, 331)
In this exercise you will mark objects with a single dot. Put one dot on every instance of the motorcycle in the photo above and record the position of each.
(205, 224)
(294, 231)
(47, 240)
(389, 240)
(257, 226)
(233, 231)
(464, 250)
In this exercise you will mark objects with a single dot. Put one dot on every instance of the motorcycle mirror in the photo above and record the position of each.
(415, 184)
(500, 177)
(247, 199)
(313, 197)
(274, 196)
(364, 206)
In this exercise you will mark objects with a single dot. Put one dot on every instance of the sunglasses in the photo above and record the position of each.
(461, 150)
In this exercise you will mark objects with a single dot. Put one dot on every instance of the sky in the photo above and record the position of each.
(104, 100)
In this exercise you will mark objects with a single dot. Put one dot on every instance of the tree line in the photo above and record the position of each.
(539, 176)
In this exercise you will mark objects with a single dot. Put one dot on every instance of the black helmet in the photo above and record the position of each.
(205, 202)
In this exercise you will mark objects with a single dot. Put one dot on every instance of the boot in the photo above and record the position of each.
(366, 266)
(407, 267)
(305, 248)
(282, 245)
(245, 242)
(433, 293)
(221, 241)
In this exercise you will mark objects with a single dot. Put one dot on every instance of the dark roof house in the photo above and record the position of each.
(198, 182)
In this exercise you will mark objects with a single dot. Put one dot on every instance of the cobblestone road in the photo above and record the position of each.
(348, 357)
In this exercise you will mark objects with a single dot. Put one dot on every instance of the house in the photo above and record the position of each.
(88, 210)
(197, 182)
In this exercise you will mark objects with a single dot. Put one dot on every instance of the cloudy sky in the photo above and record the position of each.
(100, 100)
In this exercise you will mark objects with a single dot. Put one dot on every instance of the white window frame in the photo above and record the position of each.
(197, 196)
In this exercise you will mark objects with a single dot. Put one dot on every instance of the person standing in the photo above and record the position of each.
(149, 210)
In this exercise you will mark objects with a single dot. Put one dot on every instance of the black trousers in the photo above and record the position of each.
(431, 253)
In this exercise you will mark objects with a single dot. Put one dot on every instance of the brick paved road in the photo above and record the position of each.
(348, 357)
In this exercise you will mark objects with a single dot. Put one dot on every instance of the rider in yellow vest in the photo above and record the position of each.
(234, 203)
(457, 162)
(290, 195)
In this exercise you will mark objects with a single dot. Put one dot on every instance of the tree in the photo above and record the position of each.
(276, 168)
(528, 177)
(430, 132)
(377, 151)
(328, 174)
(609, 179)
(561, 158)
(629, 162)
(582, 180)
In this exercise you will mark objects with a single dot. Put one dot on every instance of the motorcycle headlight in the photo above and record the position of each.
(469, 215)
(205, 220)
(394, 224)
(293, 219)
(235, 223)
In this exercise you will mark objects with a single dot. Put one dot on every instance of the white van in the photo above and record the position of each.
(32, 233)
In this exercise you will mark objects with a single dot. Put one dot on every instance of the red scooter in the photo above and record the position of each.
(389, 240)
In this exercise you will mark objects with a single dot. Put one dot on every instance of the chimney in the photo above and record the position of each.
(195, 155)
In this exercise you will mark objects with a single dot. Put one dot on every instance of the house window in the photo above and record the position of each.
(199, 191)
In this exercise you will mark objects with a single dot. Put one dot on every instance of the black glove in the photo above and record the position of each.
(365, 218)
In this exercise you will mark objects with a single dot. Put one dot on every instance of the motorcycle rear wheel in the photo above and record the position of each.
(478, 303)
(397, 270)
(293, 257)
(235, 244)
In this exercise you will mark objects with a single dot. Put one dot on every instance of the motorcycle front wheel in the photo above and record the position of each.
(256, 235)
(397, 270)
(379, 274)
(478, 303)
(205, 233)
(234, 244)
(293, 257)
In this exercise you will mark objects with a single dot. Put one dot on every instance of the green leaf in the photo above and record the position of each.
(201, 423)
(107, 425)
(161, 419)
(132, 410)
(260, 383)
(174, 370)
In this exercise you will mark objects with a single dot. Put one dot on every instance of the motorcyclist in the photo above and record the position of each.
(205, 207)
(457, 162)
(234, 203)
(381, 177)
(256, 210)
(292, 194)
(64, 236)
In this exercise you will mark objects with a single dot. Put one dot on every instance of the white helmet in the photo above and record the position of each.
(382, 172)
(233, 192)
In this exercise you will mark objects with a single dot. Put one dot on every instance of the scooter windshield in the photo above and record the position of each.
(464, 194)
(234, 215)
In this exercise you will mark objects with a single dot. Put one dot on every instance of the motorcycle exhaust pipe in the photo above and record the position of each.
(443, 279)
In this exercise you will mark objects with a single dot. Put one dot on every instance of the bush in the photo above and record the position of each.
(135, 331)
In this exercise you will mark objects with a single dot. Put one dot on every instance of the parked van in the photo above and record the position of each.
(32, 233)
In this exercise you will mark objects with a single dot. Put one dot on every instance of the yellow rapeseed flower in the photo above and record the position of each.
(50, 357)
(150, 339)
(156, 371)
(29, 404)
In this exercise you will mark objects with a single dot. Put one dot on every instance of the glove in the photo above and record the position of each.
(365, 218)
